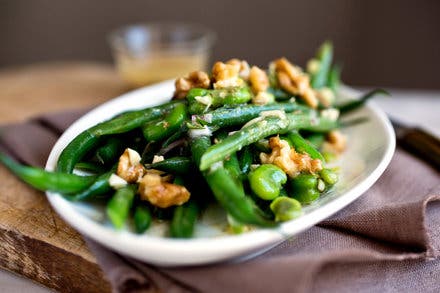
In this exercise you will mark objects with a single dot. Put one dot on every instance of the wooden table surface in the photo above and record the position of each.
(34, 241)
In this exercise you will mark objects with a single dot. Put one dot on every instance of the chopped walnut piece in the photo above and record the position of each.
(129, 166)
(243, 67)
(226, 75)
(293, 80)
(285, 157)
(258, 80)
(196, 79)
(155, 189)
(335, 143)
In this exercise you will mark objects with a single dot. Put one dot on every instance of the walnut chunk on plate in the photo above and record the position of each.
(196, 79)
(155, 189)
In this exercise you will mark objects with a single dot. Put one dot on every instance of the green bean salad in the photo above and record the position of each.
(254, 141)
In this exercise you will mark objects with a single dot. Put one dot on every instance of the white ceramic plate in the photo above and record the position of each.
(370, 148)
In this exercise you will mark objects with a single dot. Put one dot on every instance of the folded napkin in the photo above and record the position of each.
(387, 240)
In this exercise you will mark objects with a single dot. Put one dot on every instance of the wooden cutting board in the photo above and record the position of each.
(34, 241)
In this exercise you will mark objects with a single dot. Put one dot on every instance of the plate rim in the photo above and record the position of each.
(180, 252)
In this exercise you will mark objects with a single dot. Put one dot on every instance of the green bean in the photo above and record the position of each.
(232, 166)
(303, 146)
(201, 100)
(324, 56)
(241, 138)
(89, 138)
(110, 151)
(99, 187)
(304, 188)
(44, 180)
(174, 165)
(228, 116)
(334, 78)
(285, 208)
(142, 218)
(316, 139)
(267, 180)
(156, 131)
(268, 126)
(198, 147)
(353, 122)
(120, 204)
(90, 167)
(246, 159)
(353, 105)
(182, 131)
(76, 150)
(225, 189)
(233, 199)
(184, 220)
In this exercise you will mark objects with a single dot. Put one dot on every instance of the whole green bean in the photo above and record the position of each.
(44, 180)
(156, 131)
(246, 159)
(316, 139)
(142, 218)
(233, 199)
(334, 78)
(90, 167)
(353, 105)
(232, 166)
(184, 220)
(198, 147)
(99, 187)
(110, 151)
(241, 138)
(228, 116)
(324, 56)
(120, 204)
(268, 126)
(89, 138)
(174, 165)
(76, 150)
(303, 146)
(225, 189)
(178, 134)
(201, 100)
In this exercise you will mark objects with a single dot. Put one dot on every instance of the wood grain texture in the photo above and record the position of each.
(34, 241)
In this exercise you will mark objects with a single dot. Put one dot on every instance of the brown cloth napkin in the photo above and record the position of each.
(386, 241)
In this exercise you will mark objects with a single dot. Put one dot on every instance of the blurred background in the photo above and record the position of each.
(386, 43)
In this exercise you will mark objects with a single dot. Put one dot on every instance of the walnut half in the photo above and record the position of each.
(293, 80)
(129, 166)
(258, 80)
(155, 189)
(226, 75)
(285, 157)
(196, 79)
